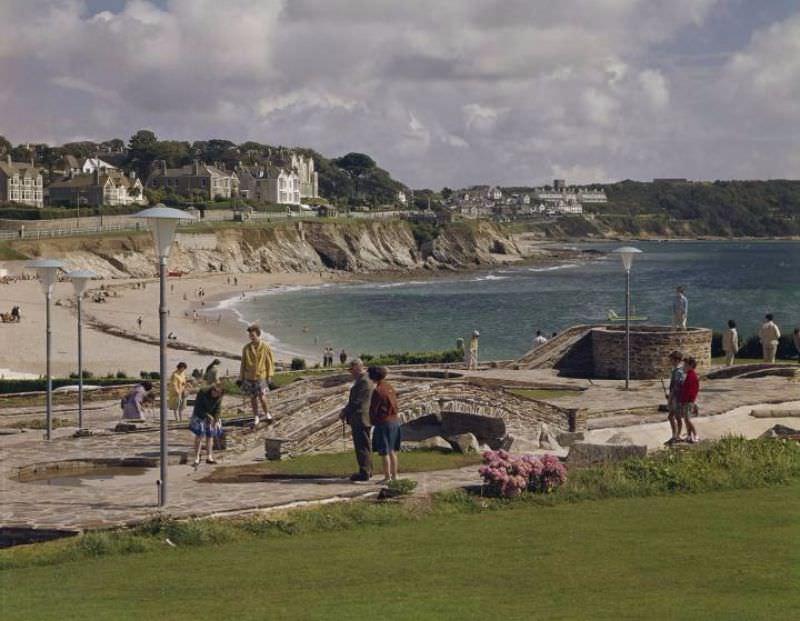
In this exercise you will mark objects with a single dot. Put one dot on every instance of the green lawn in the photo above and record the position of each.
(725, 555)
(340, 464)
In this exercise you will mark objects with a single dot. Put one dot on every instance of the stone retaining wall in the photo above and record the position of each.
(650, 349)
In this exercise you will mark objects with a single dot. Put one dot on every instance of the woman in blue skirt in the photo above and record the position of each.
(383, 414)
(206, 422)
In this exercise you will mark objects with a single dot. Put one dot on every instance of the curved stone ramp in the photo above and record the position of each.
(753, 371)
(570, 352)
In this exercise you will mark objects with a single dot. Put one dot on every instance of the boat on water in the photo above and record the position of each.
(613, 316)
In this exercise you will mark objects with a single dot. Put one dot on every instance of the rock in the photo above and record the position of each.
(620, 438)
(436, 442)
(520, 445)
(464, 443)
(547, 439)
(127, 426)
(585, 453)
(568, 438)
(779, 431)
(775, 413)
(486, 429)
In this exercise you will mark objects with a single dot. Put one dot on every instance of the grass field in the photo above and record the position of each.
(725, 555)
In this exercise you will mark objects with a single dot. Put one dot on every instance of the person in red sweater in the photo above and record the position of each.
(385, 420)
(689, 390)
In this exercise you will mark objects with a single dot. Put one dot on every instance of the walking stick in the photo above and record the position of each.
(344, 439)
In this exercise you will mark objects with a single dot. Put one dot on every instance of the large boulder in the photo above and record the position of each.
(620, 438)
(779, 431)
(548, 439)
(464, 443)
(434, 443)
(586, 453)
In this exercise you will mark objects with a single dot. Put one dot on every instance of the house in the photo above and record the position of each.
(90, 164)
(112, 187)
(401, 197)
(21, 182)
(307, 176)
(196, 178)
(270, 184)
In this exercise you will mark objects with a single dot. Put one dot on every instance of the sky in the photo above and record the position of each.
(439, 92)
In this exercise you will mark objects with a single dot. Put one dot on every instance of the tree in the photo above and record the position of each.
(446, 193)
(5, 146)
(142, 151)
(21, 153)
(355, 163)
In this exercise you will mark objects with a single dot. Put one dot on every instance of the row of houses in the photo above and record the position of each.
(94, 181)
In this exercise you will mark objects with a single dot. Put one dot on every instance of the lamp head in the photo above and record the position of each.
(626, 254)
(47, 269)
(80, 280)
(163, 221)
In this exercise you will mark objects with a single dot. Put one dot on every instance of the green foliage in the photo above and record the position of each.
(401, 487)
(424, 232)
(298, 364)
(12, 211)
(423, 357)
(8, 253)
(33, 385)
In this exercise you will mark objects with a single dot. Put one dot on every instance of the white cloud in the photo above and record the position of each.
(655, 88)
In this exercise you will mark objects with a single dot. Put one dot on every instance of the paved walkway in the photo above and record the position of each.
(124, 500)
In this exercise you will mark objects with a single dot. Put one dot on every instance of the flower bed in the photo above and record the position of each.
(508, 475)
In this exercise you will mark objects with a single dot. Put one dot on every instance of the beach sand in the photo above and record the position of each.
(22, 345)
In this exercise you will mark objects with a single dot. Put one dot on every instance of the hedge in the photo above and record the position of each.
(59, 213)
(420, 357)
(36, 385)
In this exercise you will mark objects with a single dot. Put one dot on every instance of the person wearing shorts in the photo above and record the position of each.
(255, 372)
(206, 422)
(673, 396)
(385, 419)
(689, 390)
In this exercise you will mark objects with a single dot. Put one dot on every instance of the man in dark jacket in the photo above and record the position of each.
(356, 414)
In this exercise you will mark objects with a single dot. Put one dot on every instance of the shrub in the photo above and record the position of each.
(120, 374)
(508, 475)
(298, 364)
(401, 487)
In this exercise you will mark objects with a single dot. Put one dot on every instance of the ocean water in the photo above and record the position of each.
(723, 280)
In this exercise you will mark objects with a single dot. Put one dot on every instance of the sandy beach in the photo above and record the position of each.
(193, 319)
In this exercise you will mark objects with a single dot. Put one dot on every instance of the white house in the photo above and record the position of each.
(90, 164)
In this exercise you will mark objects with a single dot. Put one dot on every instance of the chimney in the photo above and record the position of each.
(195, 167)
(97, 175)
(163, 164)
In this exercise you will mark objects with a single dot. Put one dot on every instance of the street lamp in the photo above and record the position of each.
(626, 254)
(163, 221)
(47, 269)
(80, 280)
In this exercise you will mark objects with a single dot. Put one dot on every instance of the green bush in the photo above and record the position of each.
(35, 385)
(298, 364)
(424, 357)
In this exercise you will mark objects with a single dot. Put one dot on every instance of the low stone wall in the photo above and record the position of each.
(650, 349)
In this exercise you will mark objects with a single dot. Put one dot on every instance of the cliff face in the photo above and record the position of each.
(360, 246)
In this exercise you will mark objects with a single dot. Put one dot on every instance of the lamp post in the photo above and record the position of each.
(80, 279)
(163, 221)
(47, 269)
(626, 254)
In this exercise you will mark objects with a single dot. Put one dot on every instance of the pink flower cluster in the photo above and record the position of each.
(509, 475)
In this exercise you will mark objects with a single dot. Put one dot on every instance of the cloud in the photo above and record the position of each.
(444, 93)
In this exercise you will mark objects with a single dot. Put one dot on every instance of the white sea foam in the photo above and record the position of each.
(553, 268)
(490, 277)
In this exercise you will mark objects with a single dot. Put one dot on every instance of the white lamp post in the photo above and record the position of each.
(626, 254)
(163, 221)
(47, 269)
(80, 280)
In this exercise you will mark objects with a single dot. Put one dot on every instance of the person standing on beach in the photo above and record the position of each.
(255, 372)
(356, 414)
(540, 339)
(342, 357)
(770, 335)
(139, 323)
(689, 390)
(472, 361)
(385, 420)
(176, 390)
(673, 396)
(680, 309)
(730, 342)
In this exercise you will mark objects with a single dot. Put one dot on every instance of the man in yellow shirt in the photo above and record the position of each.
(256, 370)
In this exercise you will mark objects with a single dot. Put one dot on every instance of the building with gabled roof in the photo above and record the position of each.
(197, 177)
(102, 187)
(21, 182)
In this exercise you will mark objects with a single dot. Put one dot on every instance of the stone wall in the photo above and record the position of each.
(650, 349)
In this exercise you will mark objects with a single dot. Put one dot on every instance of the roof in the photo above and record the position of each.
(87, 180)
(186, 171)
(23, 169)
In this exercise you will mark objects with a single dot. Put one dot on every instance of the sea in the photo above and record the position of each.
(740, 280)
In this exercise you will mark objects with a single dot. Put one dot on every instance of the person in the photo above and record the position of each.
(139, 323)
(673, 396)
(206, 421)
(211, 374)
(176, 390)
(255, 372)
(342, 357)
(540, 339)
(472, 360)
(133, 403)
(769, 335)
(680, 309)
(689, 390)
(356, 414)
(385, 421)
(730, 342)
(796, 340)
(16, 316)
